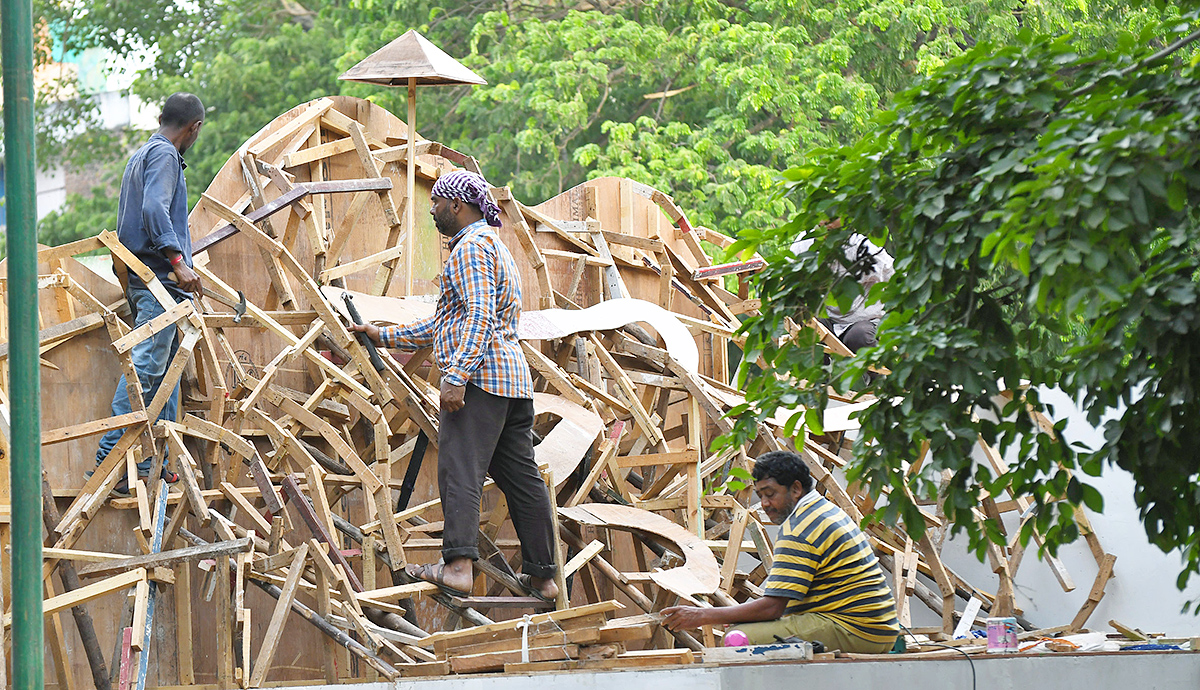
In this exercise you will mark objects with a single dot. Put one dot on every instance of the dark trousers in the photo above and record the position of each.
(493, 435)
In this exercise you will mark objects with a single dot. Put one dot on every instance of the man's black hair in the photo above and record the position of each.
(785, 467)
(181, 110)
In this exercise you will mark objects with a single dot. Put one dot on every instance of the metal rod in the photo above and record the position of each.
(25, 460)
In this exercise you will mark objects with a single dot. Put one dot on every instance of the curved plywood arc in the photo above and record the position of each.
(610, 315)
(699, 573)
(569, 441)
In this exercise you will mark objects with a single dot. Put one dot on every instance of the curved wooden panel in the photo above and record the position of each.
(567, 443)
(699, 573)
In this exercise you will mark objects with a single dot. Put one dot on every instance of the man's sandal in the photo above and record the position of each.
(526, 582)
(434, 573)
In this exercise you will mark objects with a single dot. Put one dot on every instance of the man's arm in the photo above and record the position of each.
(410, 337)
(160, 176)
(789, 578)
(766, 608)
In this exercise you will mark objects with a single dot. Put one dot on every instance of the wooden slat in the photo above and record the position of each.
(266, 653)
(167, 558)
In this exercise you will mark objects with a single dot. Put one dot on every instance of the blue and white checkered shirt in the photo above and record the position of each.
(474, 329)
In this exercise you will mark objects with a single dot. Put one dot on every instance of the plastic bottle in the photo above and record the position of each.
(736, 638)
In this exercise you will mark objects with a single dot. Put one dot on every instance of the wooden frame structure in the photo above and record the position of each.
(292, 446)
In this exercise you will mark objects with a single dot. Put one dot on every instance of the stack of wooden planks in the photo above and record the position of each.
(308, 464)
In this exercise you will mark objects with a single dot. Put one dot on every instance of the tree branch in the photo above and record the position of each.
(1140, 64)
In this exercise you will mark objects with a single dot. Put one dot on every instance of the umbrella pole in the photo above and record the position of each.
(409, 239)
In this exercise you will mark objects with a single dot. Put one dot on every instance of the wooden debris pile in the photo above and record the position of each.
(309, 466)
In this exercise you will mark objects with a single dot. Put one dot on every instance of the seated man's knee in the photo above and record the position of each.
(860, 335)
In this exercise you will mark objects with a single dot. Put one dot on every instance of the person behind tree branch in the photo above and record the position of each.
(870, 264)
(825, 584)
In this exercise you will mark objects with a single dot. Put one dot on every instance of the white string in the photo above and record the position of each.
(524, 626)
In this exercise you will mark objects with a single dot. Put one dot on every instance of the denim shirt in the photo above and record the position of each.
(152, 213)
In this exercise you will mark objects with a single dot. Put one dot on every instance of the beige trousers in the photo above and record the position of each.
(810, 627)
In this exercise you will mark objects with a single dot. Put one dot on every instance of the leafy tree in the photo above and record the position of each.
(575, 94)
(1039, 200)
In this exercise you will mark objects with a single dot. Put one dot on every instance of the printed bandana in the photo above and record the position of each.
(471, 188)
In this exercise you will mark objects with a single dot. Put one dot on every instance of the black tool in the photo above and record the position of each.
(414, 463)
(414, 469)
(376, 360)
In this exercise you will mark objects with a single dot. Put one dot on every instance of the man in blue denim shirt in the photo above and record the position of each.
(152, 223)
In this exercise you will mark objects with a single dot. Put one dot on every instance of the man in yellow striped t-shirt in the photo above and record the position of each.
(825, 584)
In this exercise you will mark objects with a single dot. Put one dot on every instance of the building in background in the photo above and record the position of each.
(96, 73)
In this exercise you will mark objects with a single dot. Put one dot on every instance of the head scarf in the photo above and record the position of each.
(471, 188)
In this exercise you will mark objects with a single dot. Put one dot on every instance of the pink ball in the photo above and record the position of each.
(736, 638)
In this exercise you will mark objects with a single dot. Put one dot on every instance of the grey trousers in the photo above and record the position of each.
(493, 435)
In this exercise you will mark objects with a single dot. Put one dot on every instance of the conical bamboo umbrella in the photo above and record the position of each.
(412, 60)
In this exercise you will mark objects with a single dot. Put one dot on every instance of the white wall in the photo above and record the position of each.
(51, 191)
(1141, 594)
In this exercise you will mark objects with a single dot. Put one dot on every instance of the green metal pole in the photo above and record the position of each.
(25, 461)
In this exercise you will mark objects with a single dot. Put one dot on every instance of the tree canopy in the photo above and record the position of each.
(708, 99)
(1039, 200)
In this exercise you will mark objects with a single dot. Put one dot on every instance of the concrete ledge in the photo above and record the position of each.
(1117, 671)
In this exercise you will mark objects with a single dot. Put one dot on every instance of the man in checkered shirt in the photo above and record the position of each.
(486, 424)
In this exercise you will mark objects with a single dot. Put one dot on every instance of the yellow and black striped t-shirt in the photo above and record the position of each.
(824, 564)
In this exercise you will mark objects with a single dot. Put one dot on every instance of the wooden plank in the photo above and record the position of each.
(266, 652)
(640, 415)
(141, 602)
(342, 270)
(246, 508)
(580, 559)
(316, 153)
(729, 566)
(87, 593)
(224, 624)
(186, 464)
(70, 433)
(317, 526)
(345, 451)
(605, 453)
(1096, 593)
(56, 640)
(75, 555)
(63, 331)
(183, 623)
(398, 592)
(680, 457)
(495, 661)
(580, 636)
(557, 616)
(168, 558)
(314, 110)
(47, 255)
(168, 318)
(501, 602)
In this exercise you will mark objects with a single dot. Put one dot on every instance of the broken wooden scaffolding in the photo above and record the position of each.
(301, 458)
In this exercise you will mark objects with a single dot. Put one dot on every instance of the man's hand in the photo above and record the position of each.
(186, 278)
(685, 617)
(371, 330)
(452, 397)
